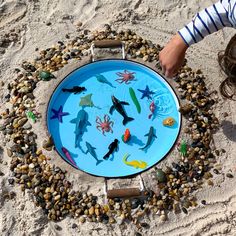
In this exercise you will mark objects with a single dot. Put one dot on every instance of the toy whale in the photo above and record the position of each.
(117, 105)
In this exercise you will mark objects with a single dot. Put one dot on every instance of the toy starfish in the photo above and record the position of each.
(87, 101)
(146, 92)
(58, 114)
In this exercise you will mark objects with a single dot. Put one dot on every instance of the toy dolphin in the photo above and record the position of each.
(150, 135)
(91, 150)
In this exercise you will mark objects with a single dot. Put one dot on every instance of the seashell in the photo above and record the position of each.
(169, 121)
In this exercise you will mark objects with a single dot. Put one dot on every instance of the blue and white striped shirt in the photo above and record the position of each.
(219, 15)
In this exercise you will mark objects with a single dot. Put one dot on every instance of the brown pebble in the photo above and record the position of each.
(184, 210)
(57, 227)
(216, 171)
(229, 175)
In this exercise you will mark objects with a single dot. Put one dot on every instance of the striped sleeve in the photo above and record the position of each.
(209, 20)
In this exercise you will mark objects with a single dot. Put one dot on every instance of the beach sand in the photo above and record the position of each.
(26, 25)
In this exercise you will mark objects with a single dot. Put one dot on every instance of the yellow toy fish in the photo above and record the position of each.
(136, 164)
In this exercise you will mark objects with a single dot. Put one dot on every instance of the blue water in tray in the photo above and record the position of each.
(167, 105)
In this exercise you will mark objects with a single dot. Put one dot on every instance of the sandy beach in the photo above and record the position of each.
(27, 27)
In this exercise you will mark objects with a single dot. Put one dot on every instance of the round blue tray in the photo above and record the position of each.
(74, 127)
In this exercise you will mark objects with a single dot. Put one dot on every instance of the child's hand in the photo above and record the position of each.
(172, 56)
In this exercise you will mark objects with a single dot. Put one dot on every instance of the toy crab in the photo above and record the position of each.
(104, 126)
(126, 77)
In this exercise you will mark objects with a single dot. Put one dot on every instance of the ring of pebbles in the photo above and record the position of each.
(54, 193)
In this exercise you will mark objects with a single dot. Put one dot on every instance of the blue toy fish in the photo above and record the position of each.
(81, 122)
(91, 150)
(102, 79)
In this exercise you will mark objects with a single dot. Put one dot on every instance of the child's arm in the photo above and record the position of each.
(207, 21)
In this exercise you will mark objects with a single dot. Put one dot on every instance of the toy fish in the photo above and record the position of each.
(150, 135)
(86, 101)
(68, 156)
(134, 99)
(91, 150)
(112, 148)
(136, 164)
(31, 115)
(102, 79)
(169, 121)
(126, 137)
(117, 105)
(183, 148)
(152, 108)
(81, 122)
(75, 89)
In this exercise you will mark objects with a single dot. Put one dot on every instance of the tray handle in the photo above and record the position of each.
(128, 192)
(108, 44)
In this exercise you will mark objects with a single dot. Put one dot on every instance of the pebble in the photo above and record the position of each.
(229, 175)
(74, 226)
(11, 181)
(163, 217)
(82, 219)
(57, 227)
(184, 210)
(203, 202)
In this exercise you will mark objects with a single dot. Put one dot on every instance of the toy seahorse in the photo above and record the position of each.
(136, 164)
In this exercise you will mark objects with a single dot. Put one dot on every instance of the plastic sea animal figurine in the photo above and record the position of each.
(91, 150)
(75, 89)
(169, 121)
(117, 105)
(150, 135)
(45, 75)
(112, 148)
(146, 93)
(68, 156)
(126, 137)
(86, 101)
(104, 126)
(31, 116)
(126, 77)
(58, 114)
(134, 99)
(102, 79)
(136, 164)
(152, 108)
(183, 148)
(81, 122)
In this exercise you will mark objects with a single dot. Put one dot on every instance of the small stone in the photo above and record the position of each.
(137, 234)
(229, 175)
(57, 227)
(216, 171)
(11, 181)
(161, 176)
(74, 226)
(145, 225)
(163, 217)
(82, 219)
(9, 152)
(203, 202)
(184, 210)
(91, 211)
